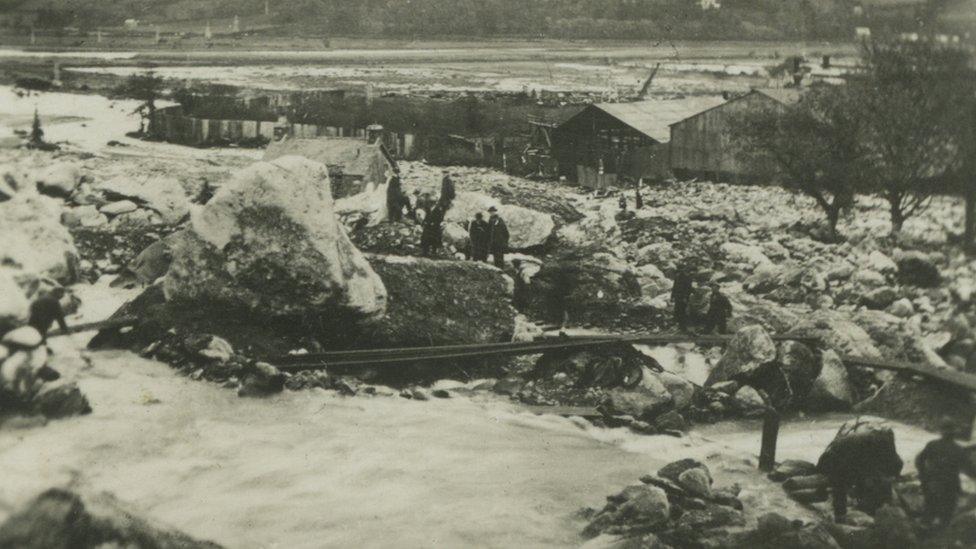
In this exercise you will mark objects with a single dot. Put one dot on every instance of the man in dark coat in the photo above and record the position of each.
(681, 295)
(46, 310)
(864, 460)
(478, 234)
(432, 234)
(395, 200)
(497, 237)
(719, 311)
(939, 465)
(447, 192)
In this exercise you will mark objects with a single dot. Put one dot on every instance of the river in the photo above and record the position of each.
(315, 469)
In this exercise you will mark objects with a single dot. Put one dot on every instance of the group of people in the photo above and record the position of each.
(867, 464)
(487, 237)
(719, 307)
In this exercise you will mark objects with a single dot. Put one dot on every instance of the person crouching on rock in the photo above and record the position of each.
(432, 234)
(497, 237)
(478, 237)
(719, 312)
(46, 310)
(864, 461)
(939, 465)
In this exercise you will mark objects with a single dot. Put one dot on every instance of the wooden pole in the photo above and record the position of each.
(770, 432)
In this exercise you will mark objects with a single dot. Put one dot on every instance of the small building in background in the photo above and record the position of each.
(355, 165)
(703, 144)
(608, 142)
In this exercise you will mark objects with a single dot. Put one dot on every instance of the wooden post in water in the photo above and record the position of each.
(770, 432)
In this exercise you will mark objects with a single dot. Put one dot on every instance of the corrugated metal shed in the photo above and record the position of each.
(654, 118)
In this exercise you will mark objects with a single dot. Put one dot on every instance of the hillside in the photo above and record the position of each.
(567, 19)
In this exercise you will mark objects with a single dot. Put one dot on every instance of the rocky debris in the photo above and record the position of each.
(832, 389)
(34, 241)
(60, 518)
(638, 509)
(677, 506)
(434, 302)
(269, 244)
(595, 288)
(61, 401)
(923, 403)
(25, 380)
(163, 195)
(261, 380)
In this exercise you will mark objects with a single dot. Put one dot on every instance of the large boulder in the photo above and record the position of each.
(61, 519)
(13, 302)
(748, 351)
(595, 288)
(269, 243)
(164, 195)
(832, 390)
(644, 402)
(839, 333)
(917, 270)
(34, 241)
(153, 261)
(922, 403)
(59, 179)
(528, 228)
(641, 507)
(434, 302)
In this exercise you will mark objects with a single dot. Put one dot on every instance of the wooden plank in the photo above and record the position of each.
(953, 377)
(565, 411)
(100, 325)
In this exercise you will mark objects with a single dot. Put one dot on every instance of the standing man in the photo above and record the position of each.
(478, 234)
(681, 294)
(395, 200)
(430, 237)
(497, 237)
(638, 197)
(939, 465)
(447, 192)
(719, 312)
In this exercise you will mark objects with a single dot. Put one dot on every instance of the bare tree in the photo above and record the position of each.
(812, 146)
(908, 105)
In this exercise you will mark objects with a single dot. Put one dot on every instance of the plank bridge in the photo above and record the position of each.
(406, 355)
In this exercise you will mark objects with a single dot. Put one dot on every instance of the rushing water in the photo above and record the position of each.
(314, 469)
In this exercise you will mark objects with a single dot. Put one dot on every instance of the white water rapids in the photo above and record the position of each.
(314, 469)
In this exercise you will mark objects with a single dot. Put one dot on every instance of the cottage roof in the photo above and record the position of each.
(355, 157)
(653, 118)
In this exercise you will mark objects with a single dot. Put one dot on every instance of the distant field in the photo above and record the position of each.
(403, 67)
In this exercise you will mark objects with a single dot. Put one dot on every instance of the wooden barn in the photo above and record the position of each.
(607, 142)
(702, 145)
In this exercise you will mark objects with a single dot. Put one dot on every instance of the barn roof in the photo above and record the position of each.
(891, 3)
(355, 156)
(654, 118)
(786, 96)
